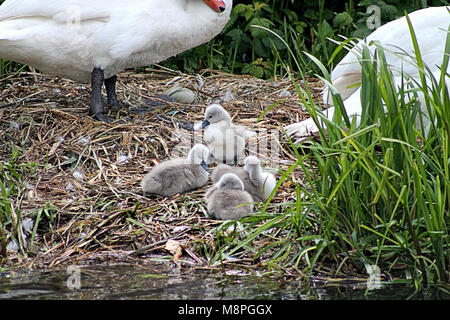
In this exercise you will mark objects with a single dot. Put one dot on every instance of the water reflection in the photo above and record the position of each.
(163, 281)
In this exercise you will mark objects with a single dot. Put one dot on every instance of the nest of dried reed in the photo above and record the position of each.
(88, 173)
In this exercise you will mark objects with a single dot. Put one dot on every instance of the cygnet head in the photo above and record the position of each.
(252, 163)
(199, 155)
(230, 181)
(215, 113)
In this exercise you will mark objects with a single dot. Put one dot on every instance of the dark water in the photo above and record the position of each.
(163, 281)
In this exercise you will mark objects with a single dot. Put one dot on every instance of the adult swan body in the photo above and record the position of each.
(92, 41)
(431, 27)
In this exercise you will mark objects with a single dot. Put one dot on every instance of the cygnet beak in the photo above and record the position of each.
(205, 123)
(204, 166)
(216, 5)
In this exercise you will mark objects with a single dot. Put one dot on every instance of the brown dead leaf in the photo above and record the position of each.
(175, 248)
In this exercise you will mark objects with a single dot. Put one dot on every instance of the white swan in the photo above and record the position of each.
(430, 26)
(225, 140)
(178, 175)
(93, 40)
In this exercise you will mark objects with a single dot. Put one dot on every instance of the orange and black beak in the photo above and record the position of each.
(216, 5)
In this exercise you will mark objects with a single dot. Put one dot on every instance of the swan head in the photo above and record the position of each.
(252, 164)
(217, 5)
(230, 181)
(215, 113)
(199, 155)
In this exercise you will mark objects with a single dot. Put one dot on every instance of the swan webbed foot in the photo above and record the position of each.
(150, 104)
(103, 117)
(158, 100)
(186, 125)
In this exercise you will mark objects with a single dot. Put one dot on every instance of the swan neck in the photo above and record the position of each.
(255, 172)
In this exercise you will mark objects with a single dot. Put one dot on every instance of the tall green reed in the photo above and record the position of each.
(375, 192)
(386, 182)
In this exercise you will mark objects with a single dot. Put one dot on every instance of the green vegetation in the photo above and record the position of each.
(380, 191)
(12, 186)
(305, 26)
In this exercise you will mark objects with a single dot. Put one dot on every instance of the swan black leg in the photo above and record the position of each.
(110, 85)
(97, 110)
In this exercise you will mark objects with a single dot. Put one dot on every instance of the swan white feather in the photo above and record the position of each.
(430, 26)
(87, 40)
(72, 37)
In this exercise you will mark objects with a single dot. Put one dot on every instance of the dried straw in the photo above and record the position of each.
(98, 205)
